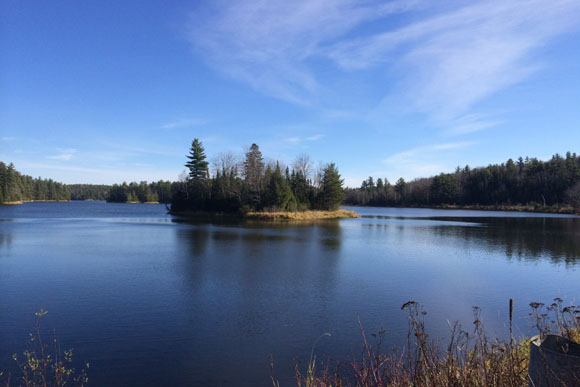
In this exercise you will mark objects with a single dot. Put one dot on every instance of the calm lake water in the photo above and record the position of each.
(148, 300)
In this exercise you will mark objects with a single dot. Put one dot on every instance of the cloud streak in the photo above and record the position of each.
(298, 140)
(267, 44)
(63, 154)
(441, 63)
(183, 123)
(423, 161)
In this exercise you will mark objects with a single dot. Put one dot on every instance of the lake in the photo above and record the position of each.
(150, 300)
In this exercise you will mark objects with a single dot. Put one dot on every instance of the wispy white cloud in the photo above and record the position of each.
(451, 61)
(423, 161)
(469, 123)
(7, 139)
(298, 140)
(441, 61)
(267, 44)
(63, 154)
(184, 123)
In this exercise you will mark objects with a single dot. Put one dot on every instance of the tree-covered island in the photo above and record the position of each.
(260, 190)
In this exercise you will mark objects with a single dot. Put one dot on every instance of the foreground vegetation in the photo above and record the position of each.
(526, 183)
(43, 363)
(468, 359)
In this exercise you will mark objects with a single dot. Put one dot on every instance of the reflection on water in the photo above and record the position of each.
(524, 238)
(5, 240)
(537, 238)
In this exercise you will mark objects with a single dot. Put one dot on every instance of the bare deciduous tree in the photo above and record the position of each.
(302, 164)
(225, 162)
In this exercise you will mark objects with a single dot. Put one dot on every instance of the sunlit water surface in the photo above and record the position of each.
(148, 300)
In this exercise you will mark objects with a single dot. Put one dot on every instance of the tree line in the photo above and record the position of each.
(255, 185)
(16, 187)
(143, 192)
(89, 191)
(525, 181)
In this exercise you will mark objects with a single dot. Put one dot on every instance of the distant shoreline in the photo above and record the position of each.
(500, 207)
(17, 202)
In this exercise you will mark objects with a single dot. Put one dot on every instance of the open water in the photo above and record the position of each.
(151, 300)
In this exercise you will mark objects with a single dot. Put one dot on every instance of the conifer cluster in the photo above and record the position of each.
(525, 181)
(253, 185)
(15, 187)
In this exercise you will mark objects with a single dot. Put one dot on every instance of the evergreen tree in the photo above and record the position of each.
(400, 189)
(253, 174)
(13, 192)
(198, 167)
(331, 192)
(254, 168)
(279, 194)
(443, 189)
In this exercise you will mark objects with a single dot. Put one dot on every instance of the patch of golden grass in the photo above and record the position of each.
(301, 215)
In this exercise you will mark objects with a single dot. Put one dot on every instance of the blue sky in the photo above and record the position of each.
(102, 92)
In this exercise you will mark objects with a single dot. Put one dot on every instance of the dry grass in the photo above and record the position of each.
(301, 215)
(469, 359)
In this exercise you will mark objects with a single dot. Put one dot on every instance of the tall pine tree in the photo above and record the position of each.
(198, 167)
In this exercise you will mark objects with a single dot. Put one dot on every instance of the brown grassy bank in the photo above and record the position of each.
(268, 215)
(301, 215)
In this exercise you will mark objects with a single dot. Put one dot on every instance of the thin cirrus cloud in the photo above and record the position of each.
(183, 123)
(268, 44)
(440, 62)
(63, 155)
(298, 140)
(424, 160)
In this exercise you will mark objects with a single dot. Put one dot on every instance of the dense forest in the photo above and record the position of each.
(142, 192)
(89, 191)
(525, 181)
(253, 185)
(15, 187)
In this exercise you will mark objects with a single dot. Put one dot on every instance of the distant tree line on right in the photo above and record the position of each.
(525, 181)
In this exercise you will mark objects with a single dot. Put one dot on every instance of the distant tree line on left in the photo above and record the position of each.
(16, 187)
(142, 192)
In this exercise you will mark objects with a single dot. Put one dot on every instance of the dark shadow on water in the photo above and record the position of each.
(5, 240)
(530, 239)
